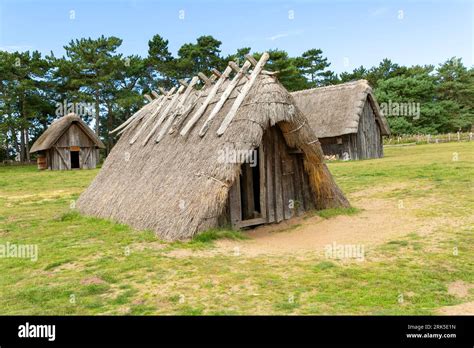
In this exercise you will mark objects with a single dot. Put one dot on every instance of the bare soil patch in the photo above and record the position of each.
(459, 288)
(460, 309)
(380, 220)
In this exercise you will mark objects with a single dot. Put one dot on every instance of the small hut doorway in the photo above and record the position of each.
(250, 189)
(247, 195)
(274, 186)
(75, 164)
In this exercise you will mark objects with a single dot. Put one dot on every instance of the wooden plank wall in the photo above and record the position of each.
(369, 139)
(286, 193)
(59, 157)
(366, 143)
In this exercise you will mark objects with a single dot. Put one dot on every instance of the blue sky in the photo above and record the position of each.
(350, 33)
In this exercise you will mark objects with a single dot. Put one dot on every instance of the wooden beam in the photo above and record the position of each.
(130, 119)
(204, 79)
(262, 181)
(171, 104)
(250, 222)
(208, 99)
(162, 90)
(156, 113)
(155, 94)
(62, 158)
(138, 116)
(235, 208)
(148, 97)
(183, 83)
(169, 121)
(183, 115)
(86, 157)
(253, 77)
(228, 91)
(216, 72)
(251, 59)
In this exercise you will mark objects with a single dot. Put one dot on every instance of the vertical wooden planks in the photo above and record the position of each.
(269, 171)
(235, 208)
(279, 213)
(286, 180)
(297, 184)
(248, 203)
(263, 175)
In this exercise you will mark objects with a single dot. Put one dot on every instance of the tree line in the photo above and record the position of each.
(107, 87)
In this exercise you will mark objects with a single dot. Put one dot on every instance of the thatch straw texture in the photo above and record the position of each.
(58, 128)
(177, 187)
(335, 110)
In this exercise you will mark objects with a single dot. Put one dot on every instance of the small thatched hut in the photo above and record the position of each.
(346, 119)
(236, 152)
(68, 143)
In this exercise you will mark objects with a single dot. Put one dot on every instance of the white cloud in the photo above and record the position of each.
(285, 34)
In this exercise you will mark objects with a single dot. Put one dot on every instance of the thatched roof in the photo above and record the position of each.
(336, 110)
(177, 187)
(58, 128)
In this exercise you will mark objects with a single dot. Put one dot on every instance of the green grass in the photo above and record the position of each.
(93, 266)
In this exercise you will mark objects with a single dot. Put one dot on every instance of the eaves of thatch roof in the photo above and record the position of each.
(52, 134)
(177, 186)
(336, 110)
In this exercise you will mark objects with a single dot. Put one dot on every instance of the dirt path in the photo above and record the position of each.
(379, 221)
(460, 309)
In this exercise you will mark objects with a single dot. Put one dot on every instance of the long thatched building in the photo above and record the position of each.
(237, 151)
(346, 119)
(68, 143)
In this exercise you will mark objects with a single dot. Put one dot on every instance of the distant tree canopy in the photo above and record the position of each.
(108, 87)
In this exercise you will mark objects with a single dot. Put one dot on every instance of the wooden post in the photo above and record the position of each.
(235, 207)
(204, 79)
(164, 114)
(243, 94)
(147, 97)
(145, 124)
(181, 102)
(228, 91)
(208, 99)
(133, 117)
(183, 115)
(155, 94)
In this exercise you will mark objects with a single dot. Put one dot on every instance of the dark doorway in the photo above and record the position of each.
(75, 160)
(250, 188)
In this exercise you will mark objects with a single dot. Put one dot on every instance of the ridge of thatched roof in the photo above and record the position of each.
(57, 129)
(176, 186)
(336, 110)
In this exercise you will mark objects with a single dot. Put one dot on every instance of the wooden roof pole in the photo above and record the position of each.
(132, 118)
(253, 77)
(208, 99)
(164, 114)
(228, 91)
(145, 124)
(169, 121)
(184, 114)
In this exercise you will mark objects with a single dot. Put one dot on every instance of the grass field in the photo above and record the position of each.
(91, 266)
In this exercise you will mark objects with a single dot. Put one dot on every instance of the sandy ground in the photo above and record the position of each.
(380, 220)
(460, 309)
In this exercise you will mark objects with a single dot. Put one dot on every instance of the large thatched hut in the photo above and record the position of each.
(68, 143)
(346, 119)
(236, 152)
